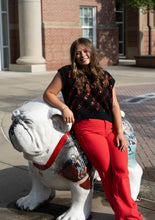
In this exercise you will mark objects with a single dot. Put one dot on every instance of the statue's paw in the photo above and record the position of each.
(27, 203)
(72, 215)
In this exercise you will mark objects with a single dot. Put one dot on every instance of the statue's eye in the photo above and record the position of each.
(27, 121)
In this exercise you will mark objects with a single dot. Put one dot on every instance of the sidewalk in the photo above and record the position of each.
(16, 88)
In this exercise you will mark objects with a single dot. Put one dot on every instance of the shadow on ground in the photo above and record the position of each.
(15, 182)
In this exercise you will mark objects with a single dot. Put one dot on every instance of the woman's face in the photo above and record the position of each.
(82, 55)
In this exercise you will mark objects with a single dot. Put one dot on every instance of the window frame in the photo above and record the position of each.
(121, 42)
(6, 46)
(93, 27)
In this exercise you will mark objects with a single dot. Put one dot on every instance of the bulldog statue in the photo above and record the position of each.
(56, 161)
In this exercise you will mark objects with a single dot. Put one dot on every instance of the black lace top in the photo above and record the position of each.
(94, 104)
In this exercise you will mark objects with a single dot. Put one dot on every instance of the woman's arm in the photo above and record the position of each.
(121, 141)
(50, 96)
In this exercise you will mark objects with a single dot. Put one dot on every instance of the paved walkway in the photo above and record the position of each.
(16, 88)
(141, 114)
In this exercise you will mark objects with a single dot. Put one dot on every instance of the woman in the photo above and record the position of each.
(91, 105)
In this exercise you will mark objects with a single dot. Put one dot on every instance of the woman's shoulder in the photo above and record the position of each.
(106, 73)
(110, 78)
(65, 69)
(65, 73)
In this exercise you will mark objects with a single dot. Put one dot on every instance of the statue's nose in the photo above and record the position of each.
(16, 121)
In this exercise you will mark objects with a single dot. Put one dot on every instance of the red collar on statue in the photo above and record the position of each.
(55, 153)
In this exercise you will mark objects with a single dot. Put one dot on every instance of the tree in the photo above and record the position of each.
(147, 6)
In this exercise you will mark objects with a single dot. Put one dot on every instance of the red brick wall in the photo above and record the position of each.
(61, 26)
(136, 34)
(107, 33)
(146, 35)
(57, 39)
(153, 40)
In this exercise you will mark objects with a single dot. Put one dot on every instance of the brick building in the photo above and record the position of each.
(136, 35)
(36, 34)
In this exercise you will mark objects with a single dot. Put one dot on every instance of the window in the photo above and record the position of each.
(120, 23)
(88, 23)
(4, 36)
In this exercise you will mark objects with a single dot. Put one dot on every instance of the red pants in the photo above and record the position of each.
(98, 140)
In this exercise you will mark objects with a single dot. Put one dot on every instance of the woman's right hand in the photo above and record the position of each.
(67, 115)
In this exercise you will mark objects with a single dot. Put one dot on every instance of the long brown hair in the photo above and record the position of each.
(98, 75)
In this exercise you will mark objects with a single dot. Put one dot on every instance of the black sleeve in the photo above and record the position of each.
(64, 72)
(111, 80)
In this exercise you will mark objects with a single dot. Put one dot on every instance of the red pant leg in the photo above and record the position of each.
(96, 148)
(96, 158)
(98, 141)
(121, 186)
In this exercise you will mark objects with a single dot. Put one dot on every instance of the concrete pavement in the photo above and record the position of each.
(131, 82)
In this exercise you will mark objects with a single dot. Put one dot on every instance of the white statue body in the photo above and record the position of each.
(56, 162)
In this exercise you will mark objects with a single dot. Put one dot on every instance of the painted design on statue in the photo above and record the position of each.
(77, 167)
(132, 141)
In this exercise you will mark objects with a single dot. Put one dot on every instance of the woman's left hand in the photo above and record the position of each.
(121, 142)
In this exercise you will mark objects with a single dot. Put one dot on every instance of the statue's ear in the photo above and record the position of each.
(59, 124)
